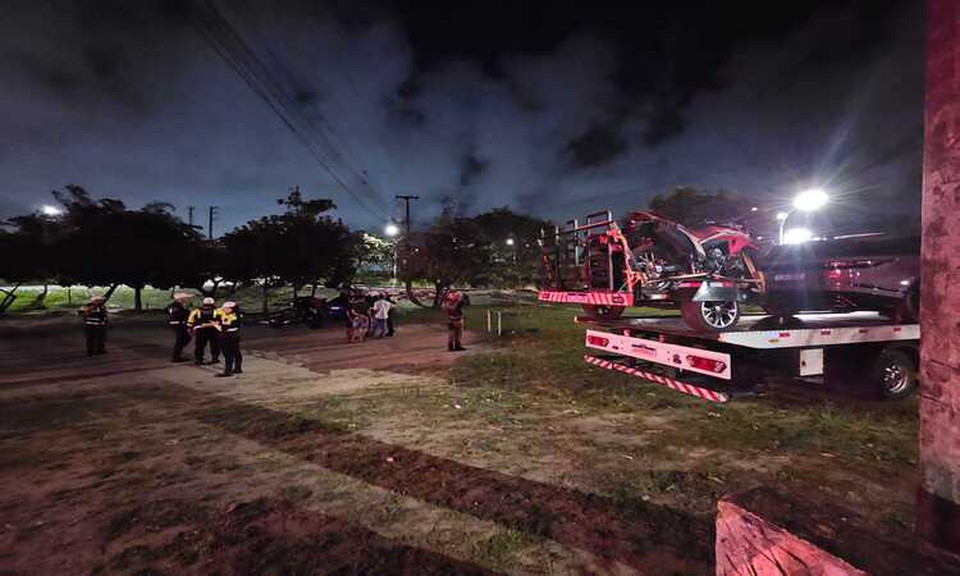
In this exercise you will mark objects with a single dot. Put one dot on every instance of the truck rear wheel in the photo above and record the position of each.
(895, 371)
(715, 316)
(608, 312)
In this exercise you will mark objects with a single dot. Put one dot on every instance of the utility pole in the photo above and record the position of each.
(190, 216)
(210, 216)
(406, 243)
(406, 221)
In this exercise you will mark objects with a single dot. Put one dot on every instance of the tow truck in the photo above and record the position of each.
(716, 366)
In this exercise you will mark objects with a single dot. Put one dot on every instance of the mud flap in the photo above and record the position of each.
(715, 291)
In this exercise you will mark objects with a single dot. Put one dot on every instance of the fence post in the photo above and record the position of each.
(489, 322)
(499, 323)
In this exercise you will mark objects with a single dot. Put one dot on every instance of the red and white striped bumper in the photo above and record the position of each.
(587, 298)
(704, 393)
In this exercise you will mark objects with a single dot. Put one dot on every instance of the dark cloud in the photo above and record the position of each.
(549, 107)
(471, 168)
(596, 146)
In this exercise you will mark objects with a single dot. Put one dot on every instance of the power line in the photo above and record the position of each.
(231, 47)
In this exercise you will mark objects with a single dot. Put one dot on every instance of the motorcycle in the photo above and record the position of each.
(306, 310)
(708, 270)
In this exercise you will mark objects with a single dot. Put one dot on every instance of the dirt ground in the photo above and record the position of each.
(393, 456)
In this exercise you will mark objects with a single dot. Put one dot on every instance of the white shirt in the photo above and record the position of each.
(381, 309)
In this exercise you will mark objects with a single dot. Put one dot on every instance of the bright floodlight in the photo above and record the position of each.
(810, 200)
(797, 236)
(50, 210)
(509, 241)
(781, 216)
(391, 229)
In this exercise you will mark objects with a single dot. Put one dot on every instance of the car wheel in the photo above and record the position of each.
(896, 373)
(714, 316)
(607, 312)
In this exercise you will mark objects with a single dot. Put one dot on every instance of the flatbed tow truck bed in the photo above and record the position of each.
(664, 350)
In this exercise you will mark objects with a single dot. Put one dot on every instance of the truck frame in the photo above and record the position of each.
(592, 263)
(715, 366)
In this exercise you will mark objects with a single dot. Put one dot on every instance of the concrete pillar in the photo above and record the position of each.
(938, 511)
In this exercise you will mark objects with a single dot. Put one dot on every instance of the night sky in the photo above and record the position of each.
(553, 109)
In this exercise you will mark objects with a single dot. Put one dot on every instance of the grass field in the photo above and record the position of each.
(514, 457)
(783, 436)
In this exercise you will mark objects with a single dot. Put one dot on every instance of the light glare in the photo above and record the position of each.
(797, 236)
(810, 200)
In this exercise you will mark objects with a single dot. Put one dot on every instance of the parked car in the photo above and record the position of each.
(877, 272)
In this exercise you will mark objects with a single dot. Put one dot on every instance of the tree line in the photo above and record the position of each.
(102, 242)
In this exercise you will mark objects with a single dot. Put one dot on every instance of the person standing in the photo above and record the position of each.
(203, 324)
(229, 322)
(177, 314)
(453, 306)
(94, 315)
(391, 317)
(381, 315)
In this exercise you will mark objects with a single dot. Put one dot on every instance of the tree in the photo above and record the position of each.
(102, 242)
(374, 252)
(29, 253)
(688, 205)
(496, 248)
(300, 247)
(512, 238)
(453, 251)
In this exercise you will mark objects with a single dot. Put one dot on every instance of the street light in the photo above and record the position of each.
(391, 229)
(810, 200)
(50, 210)
(510, 241)
(807, 201)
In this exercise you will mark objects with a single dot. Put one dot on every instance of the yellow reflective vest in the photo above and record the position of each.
(204, 318)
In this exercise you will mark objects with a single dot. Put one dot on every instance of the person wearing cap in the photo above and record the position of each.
(177, 314)
(229, 322)
(94, 315)
(453, 306)
(204, 326)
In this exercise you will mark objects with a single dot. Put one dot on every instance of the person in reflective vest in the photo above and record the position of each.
(177, 314)
(203, 324)
(229, 321)
(94, 315)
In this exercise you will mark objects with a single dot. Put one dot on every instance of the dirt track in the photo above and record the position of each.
(129, 464)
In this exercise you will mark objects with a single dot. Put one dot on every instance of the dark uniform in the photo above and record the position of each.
(391, 317)
(203, 323)
(229, 322)
(453, 306)
(95, 327)
(177, 319)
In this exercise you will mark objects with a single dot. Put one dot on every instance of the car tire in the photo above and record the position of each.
(605, 312)
(895, 372)
(710, 316)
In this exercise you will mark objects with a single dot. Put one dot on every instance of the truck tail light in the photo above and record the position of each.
(707, 364)
(598, 341)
